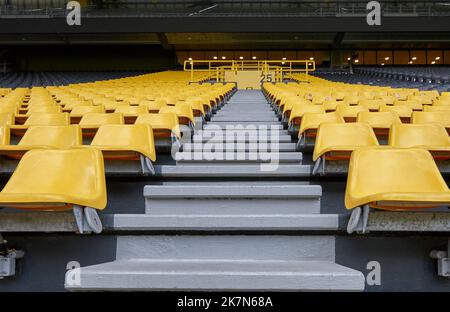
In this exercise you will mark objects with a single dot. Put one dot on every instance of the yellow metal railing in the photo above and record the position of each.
(216, 68)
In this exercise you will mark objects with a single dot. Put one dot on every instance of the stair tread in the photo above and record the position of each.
(205, 274)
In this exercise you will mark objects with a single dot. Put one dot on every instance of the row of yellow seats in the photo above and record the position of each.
(380, 122)
(71, 175)
(165, 123)
(335, 141)
(351, 112)
(183, 109)
(323, 90)
(71, 100)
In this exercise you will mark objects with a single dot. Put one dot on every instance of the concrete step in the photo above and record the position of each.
(234, 158)
(247, 108)
(207, 275)
(247, 114)
(249, 123)
(241, 136)
(243, 199)
(280, 147)
(211, 129)
(234, 171)
(220, 223)
(244, 118)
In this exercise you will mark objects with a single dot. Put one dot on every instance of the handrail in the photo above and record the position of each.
(216, 68)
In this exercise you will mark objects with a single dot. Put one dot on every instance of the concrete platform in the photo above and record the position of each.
(223, 275)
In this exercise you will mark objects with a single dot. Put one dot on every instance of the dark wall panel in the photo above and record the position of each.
(93, 58)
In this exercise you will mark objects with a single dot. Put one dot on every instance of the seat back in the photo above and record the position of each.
(74, 176)
(431, 117)
(411, 135)
(98, 119)
(86, 109)
(4, 135)
(6, 119)
(127, 137)
(161, 121)
(398, 174)
(379, 119)
(61, 137)
(314, 120)
(343, 137)
(48, 119)
(131, 110)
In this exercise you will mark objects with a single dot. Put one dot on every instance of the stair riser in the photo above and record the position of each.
(231, 206)
(227, 247)
(282, 147)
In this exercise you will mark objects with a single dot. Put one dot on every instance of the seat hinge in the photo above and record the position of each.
(358, 220)
(443, 260)
(8, 259)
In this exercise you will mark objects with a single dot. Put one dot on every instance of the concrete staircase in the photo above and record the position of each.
(227, 223)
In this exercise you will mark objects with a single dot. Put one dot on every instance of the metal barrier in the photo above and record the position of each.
(216, 69)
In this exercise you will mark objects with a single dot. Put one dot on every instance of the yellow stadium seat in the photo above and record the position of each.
(6, 119)
(70, 105)
(197, 107)
(58, 180)
(371, 105)
(153, 106)
(352, 99)
(44, 137)
(184, 113)
(21, 118)
(4, 135)
(164, 125)
(312, 121)
(387, 99)
(442, 102)
(431, 117)
(130, 113)
(298, 111)
(350, 112)
(380, 122)
(392, 179)
(79, 111)
(403, 111)
(41, 119)
(432, 137)
(289, 105)
(438, 108)
(330, 106)
(110, 106)
(9, 108)
(336, 141)
(127, 142)
(414, 104)
(90, 122)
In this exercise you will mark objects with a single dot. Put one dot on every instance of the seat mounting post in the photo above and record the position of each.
(443, 260)
(8, 259)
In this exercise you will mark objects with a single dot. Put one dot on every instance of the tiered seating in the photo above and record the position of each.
(380, 107)
(67, 135)
(423, 78)
(43, 79)
(411, 125)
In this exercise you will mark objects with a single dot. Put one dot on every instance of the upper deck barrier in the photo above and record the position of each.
(270, 70)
